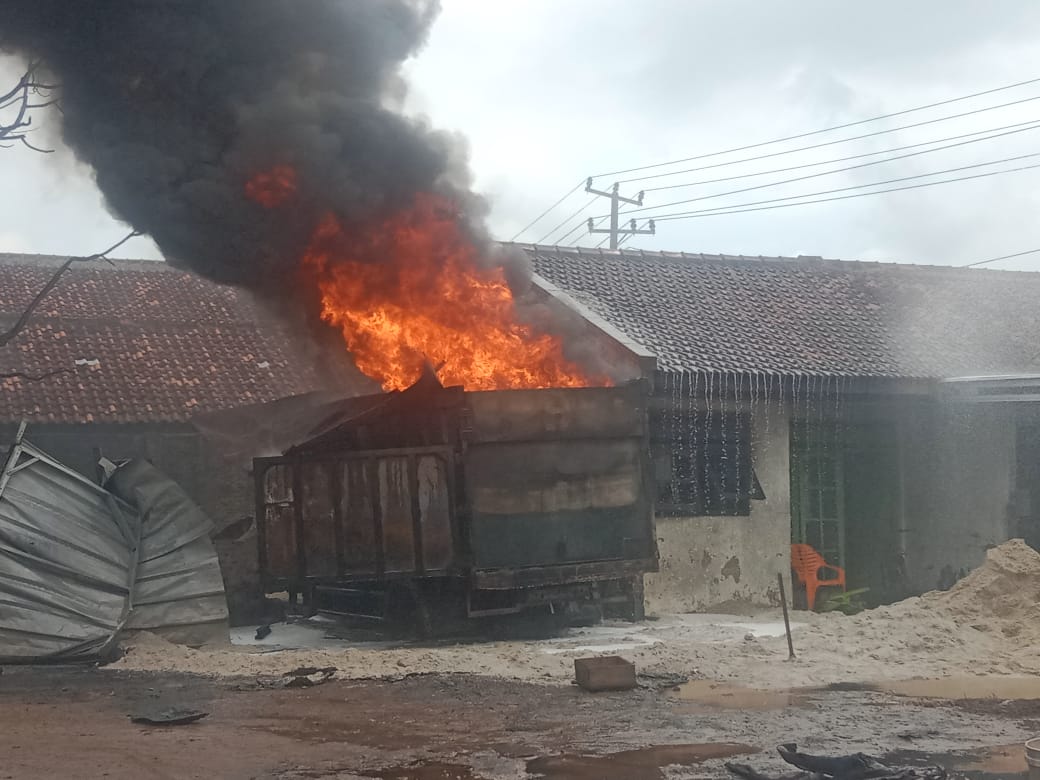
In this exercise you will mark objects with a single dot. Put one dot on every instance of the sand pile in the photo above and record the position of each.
(998, 600)
(1001, 595)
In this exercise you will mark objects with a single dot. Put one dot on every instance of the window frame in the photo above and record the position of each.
(724, 435)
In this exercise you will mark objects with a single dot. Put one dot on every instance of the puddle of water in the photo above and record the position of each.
(733, 697)
(642, 764)
(1003, 762)
(1000, 760)
(966, 687)
(424, 770)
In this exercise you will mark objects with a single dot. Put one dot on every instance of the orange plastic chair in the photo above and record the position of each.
(807, 565)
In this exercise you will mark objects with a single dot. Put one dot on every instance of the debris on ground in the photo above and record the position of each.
(169, 717)
(307, 676)
(858, 766)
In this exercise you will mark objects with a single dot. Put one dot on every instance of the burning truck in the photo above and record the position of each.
(522, 485)
(439, 501)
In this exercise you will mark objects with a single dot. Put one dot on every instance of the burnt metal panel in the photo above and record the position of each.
(398, 528)
(280, 553)
(319, 528)
(361, 531)
(558, 414)
(424, 415)
(278, 540)
(355, 515)
(559, 477)
(434, 510)
(540, 503)
(543, 576)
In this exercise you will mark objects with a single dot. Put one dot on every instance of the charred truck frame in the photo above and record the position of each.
(479, 503)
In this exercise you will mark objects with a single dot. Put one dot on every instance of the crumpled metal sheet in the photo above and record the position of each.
(80, 563)
(178, 591)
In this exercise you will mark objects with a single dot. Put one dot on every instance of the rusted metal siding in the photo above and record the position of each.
(558, 477)
(356, 515)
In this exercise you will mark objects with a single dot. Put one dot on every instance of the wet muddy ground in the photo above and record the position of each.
(75, 722)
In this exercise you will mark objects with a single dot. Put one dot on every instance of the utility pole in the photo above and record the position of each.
(615, 201)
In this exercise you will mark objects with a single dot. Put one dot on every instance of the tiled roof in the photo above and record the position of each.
(146, 343)
(806, 314)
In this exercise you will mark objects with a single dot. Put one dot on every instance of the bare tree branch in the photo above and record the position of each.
(20, 98)
(23, 320)
(39, 149)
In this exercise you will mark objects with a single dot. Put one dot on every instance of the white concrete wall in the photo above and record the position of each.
(726, 563)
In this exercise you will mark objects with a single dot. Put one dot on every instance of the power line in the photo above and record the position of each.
(737, 209)
(1033, 125)
(824, 130)
(567, 219)
(838, 141)
(1002, 257)
(539, 218)
(562, 239)
(862, 186)
(822, 173)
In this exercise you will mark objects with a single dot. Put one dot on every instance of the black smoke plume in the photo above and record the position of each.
(177, 104)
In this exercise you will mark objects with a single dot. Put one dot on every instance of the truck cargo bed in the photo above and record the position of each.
(501, 490)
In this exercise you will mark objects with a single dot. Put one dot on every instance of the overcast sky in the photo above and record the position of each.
(549, 92)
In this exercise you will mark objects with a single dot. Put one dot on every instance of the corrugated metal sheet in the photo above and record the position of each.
(178, 591)
(79, 563)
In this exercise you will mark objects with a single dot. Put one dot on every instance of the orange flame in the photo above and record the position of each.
(272, 188)
(426, 299)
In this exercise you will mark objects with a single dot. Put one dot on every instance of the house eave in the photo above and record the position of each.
(646, 359)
